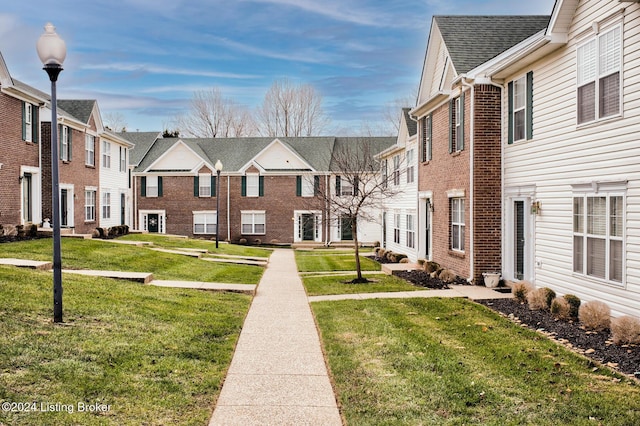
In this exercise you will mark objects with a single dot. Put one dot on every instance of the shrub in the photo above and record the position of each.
(537, 299)
(431, 266)
(400, 256)
(257, 241)
(382, 253)
(242, 241)
(574, 305)
(595, 315)
(560, 308)
(404, 260)
(376, 251)
(275, 241)
(550, 294)
(421, 262)
(520, 290)
(447, 276)
(625, 329)
(376, 243)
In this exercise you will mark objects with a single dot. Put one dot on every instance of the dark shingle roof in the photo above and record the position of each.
(81, 109)
(237, 152)
(473, 40)
(142, 141)
(412, 126)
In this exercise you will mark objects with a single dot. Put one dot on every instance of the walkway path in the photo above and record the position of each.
(278, 375)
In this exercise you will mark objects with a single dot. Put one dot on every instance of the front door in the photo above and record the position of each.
(519, 242)
(123, 206)
(27, 198)
(308, 227)
(64, 207)
(153, 222)
(346, 228)
(427, 230)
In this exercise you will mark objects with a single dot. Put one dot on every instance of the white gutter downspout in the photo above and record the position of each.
(327, 219)
(464, 82)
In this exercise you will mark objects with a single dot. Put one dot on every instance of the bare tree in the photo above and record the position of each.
(115, 121)
(291, 110)
(213, 116)
(360, 188)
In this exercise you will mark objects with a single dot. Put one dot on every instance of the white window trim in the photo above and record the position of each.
(308, 186)
(411, 230)
(608, 190)
(204, 213)
(91, 217)
(204, 183)
(106, 204)
(461, 225)
(410, 165)
(253, 223)
(90, 148)
(28, 121)
(595, 38)
(253, 184)
(106, 154)
(523, 82)
(151, 191)
(64, 143)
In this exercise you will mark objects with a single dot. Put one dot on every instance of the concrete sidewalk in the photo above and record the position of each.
(278, 375)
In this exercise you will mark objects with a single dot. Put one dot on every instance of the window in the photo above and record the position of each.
(520, 101)
(253, 222)
(426, 138)
(385, 172)
(457, 224)
(106, 154)
(252, 185)
(123, 159)
(90, 150)
(344, 187)
(90, 205)
(307, 186)
(396, 170)
(598, 236)
(456, 128)
(30, 122)
(152, 187)
(106, 205)
(599, 76)
(205, 222)
(396, 228)
(204, 185)
(411, 231)
(410, 166)
(65, 143)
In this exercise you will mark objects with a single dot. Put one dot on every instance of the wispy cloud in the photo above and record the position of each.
(155, 69)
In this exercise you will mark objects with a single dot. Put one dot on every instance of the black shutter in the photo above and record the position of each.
(261, 186)
(24, 121)
(461, 147)
(69, 146)
(530, 105)
(244, 186)
(452, 123)
(338, 185)
(35, 123)
(510, 106)
(143, 186)
(214, 188)
(159, 186)
(316, 185)
(298, 186)
(196, 186)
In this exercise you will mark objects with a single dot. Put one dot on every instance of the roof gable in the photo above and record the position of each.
(178, 158)
(81, 109)
(5, 77)
(279, 156)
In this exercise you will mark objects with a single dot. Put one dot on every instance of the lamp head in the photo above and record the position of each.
(52, 50)
(218, 166)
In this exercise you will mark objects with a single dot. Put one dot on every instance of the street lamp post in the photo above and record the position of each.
(218, 167)
(52, 52)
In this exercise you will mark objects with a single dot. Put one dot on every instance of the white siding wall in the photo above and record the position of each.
(563, 154)
(116, 183)
(405, 202)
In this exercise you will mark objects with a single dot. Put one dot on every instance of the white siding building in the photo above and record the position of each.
(115, 195)
(571, 154)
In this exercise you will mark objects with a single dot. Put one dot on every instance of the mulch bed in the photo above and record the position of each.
(596, 346)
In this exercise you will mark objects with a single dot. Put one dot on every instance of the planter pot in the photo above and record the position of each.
(491, 279)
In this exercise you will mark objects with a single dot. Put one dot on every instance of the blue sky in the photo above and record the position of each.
(145, 58)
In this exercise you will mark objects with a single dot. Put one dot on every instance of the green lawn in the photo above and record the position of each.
(156, 356)
(332, 260)
(175, 243)
(453, 362)
(325, 285)
(100, 255)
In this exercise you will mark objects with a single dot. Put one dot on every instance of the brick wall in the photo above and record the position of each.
(446, 172)
(75, 173)
(487, 180)
(279, 202)
(14, 153)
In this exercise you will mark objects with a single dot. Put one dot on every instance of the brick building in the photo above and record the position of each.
(269, 189)
(459, 122)
(20, 172)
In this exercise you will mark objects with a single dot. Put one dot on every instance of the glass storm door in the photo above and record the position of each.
(519, 236)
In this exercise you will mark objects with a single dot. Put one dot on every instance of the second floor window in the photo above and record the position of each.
(426, 138)
(123, 159)
(65, 143)
(599, 63)
(396, 170)
(410, 166)
(106, 154)
(90, 150)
